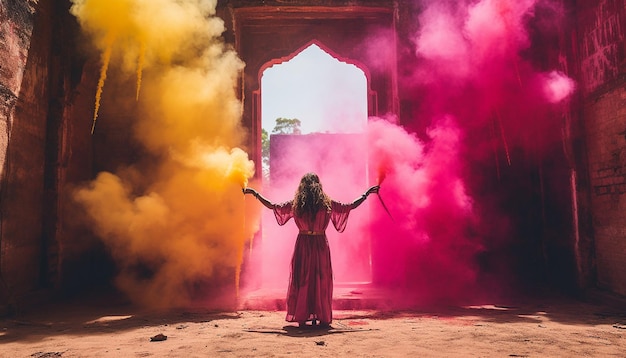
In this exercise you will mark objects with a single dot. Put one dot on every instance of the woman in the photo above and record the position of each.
(310, 293)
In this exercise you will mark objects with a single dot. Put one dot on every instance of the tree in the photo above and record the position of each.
(287, 126)
(265, 153)
(283, 126)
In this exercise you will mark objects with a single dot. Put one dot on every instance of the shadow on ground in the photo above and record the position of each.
(108, 313)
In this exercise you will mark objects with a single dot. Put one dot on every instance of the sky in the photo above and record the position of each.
(326, 95)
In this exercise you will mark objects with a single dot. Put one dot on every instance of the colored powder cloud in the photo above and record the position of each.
(476, 98)
(478, 104)
(175, 222)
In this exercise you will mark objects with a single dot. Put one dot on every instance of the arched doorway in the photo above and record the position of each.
(329, 141)
(314, 88)
(268, 34)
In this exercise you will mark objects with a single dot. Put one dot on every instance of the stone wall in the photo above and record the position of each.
(46, 104)
(602, 58)
(605, 118)
(23, 85)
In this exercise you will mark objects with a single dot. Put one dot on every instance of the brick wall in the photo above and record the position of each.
(606, 139)
(602, 58)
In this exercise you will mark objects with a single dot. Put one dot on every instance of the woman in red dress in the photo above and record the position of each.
(310, 293)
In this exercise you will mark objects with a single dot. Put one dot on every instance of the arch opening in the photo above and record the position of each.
(329, 97)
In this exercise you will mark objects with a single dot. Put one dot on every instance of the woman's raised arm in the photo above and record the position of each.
(268, 204)
(355, 204)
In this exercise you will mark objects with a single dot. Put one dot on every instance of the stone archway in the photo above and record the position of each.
(331, 145)
(265, 35)
(315, 63)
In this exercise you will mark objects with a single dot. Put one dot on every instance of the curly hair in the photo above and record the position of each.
(310, 197)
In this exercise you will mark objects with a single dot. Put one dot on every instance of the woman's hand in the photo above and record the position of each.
(373, 189)
(361, 199)
(249, 191)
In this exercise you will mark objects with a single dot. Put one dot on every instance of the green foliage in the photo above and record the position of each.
(283, 126)
(287, 126)
(265, 149)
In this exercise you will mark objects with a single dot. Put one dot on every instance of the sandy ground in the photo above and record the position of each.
(549, 327)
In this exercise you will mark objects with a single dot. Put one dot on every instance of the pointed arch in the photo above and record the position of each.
(372, 97)
(324, 48)
(315, 87)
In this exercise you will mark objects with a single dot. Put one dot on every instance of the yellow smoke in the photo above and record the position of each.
(106, 58)
(182, 226)
(140, 63)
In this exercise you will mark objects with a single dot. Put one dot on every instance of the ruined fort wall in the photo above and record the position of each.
(46, 102)
(602, 60)
(23, 120)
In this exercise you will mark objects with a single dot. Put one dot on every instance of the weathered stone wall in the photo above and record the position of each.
(269, 32)
(46, 103)
(72, 258)
(23, 84)
(602, 58)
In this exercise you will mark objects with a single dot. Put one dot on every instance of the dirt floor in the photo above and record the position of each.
(547, 327)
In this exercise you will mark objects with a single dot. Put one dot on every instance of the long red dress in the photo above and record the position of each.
(310, 292)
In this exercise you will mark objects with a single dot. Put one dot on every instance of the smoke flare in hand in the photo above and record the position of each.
(382, 173)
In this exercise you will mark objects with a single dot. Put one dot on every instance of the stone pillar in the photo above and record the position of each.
(23, 106)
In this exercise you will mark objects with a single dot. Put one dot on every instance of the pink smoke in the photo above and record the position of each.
(478, 107)
(424, 247)
(340, 160)
(557, 86)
